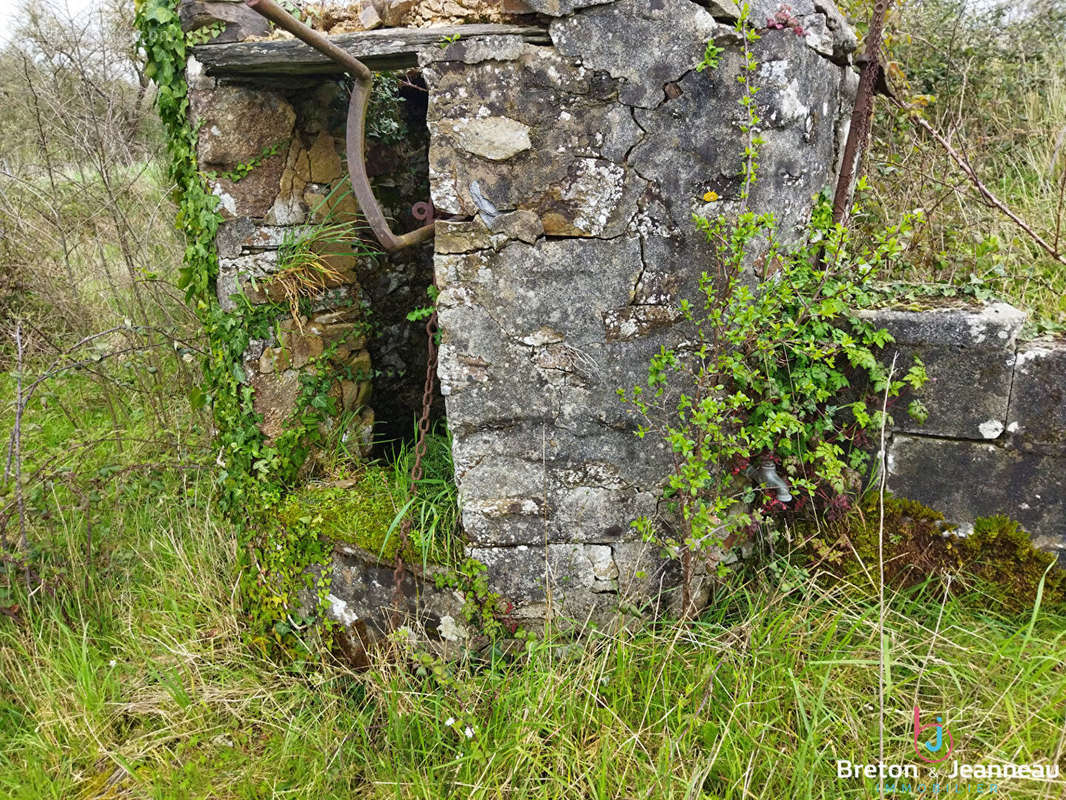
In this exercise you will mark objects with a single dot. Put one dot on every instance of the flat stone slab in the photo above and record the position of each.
(580, 582)
(967, 480)
(969, 356)
(381, 49)
(1037, 416)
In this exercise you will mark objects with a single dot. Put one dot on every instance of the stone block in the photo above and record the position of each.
(394, 11)
(969, 357)
(369, 18)
(235, 274)
(275, 396)
(559, 157)
(966, 480)
(244, 236)
(240, 21)
(561, 8)
(355, 394)
(646, 44)
(238, 124)
(362, 598)
(251, 196)
(689, 146)
(1037, 416)
(323, 161)
(493, 138)
(572, 580)
(522, 225)
(454, 238)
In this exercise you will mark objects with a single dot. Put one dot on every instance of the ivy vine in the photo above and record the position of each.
(254, 473)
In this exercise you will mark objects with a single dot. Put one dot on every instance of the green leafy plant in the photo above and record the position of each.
(385, 116)
(244, 169)
(424, 312)
(204, 34)
(765, 376)
(484, 609)
(712, 55)
(447, 41)
(750, 124)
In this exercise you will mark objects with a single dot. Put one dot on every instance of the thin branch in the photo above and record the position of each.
(19, 404)
(967, 169)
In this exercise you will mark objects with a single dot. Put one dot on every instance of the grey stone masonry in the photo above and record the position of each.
(995, 439)
(571, 173)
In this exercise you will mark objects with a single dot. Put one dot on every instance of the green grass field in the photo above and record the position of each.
(132, 679)
(143, 684)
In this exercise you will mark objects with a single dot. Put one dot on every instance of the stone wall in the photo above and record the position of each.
(292, 134)
(995, 439)
(567, 176)
(573, 172)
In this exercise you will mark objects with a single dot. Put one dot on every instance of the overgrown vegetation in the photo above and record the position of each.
(921, 548)
(367, 508)
(992, 78)
(309, 258)
(765, 377)
(125, 668)
(141, 683)
(256, 474)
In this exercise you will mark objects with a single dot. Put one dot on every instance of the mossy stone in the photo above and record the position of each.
(998, 557)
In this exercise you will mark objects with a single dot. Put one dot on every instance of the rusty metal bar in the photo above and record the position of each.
(355, 144)
(862, 114)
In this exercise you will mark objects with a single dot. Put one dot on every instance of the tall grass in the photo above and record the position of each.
(995, 76)
(141, 686)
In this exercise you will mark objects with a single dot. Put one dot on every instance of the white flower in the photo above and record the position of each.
(468, 732)
(450, 721)
(111, 663)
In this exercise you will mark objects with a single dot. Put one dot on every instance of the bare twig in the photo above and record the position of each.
(1058, 205)
(19, 404)
(986, 193)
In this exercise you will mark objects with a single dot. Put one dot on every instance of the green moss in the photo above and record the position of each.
(998, 558)
(1000, 552)
(365, 510)
(362, 513)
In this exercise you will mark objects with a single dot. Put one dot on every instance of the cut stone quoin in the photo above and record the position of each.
(969, 358)
(538, 332)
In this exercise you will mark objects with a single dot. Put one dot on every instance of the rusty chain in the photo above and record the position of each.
(862, 114)
(399, 573)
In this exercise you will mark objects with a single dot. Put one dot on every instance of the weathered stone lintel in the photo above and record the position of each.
(381, 49)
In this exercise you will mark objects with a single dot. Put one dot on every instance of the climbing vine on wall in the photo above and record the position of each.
(253, 473)
(764, 380)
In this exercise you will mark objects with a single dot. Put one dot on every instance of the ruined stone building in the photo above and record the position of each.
(565, 146)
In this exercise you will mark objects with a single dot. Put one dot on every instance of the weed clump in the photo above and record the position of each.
(367, 508)
(998, 557)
